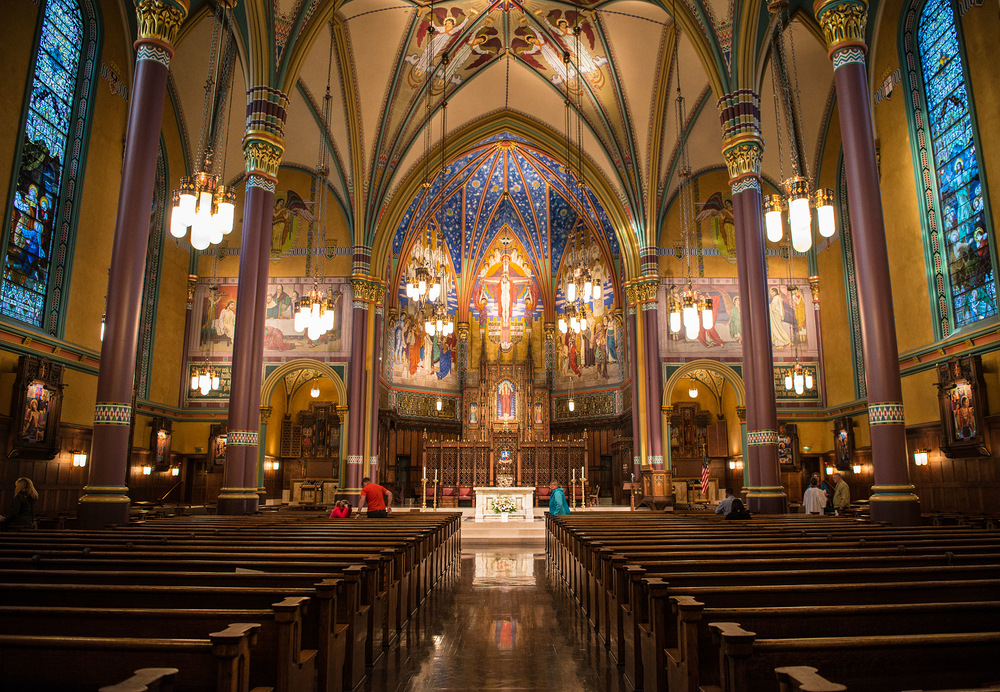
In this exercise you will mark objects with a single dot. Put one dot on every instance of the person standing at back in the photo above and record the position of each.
(376, 497)
(22, 510)
(557, 499)
(814, 499)
(841, 494)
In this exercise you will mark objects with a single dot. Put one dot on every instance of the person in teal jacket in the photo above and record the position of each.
(557, 500)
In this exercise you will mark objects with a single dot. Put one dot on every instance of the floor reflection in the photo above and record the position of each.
(497, 623)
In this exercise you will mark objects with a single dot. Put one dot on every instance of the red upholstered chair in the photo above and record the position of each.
(466, 494)
(449, 497)
(542, 493)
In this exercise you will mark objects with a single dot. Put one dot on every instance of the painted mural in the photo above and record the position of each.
(792, 320)
(291, 212)
(215, 313)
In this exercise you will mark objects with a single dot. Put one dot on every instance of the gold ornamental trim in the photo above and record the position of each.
(158, 21)
(265, 414)
(743, 157)
(843, 23)
(262, 156)
(814, 289)
(741, 412)
(642, 290)
(370, 289)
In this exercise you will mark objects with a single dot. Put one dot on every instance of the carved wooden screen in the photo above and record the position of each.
(449, 465)
(482, 468)
(291, 439)
(528, 468)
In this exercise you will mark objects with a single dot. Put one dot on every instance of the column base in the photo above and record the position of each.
(895, 504)
(767, 500)
(103, 505)
(237, 501)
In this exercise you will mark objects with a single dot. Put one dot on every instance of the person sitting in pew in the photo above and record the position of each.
(22, 511)
(737, 510)
(725, 506)
(341, 510)
(378, 499)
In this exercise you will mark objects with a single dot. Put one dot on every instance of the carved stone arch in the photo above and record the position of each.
(726, 372)
(278, 376)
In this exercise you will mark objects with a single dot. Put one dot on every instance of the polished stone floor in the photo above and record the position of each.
(499, 621)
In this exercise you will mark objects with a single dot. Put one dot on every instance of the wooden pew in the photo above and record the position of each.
(146, 680)
(279, 660)
(75, 664)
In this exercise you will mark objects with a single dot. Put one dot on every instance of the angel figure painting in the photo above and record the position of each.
(718, 212)
(289, 209)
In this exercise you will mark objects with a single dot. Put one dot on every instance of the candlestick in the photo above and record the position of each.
(435, 475)
(425, 472)
(423, 495)
(574, 474)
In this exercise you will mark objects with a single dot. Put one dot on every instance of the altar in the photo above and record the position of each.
(524, 500)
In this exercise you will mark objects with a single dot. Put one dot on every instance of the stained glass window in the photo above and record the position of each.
(960, 190)
(40, 170)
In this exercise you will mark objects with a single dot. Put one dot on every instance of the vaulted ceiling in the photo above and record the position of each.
(510, 66)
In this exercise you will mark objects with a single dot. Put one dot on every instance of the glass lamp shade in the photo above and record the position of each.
(186, 202)
(147, 470)
(102, 326)
(598, 292)
(823, 201)
(421, 287)
(856, 468)
(572, 405)
(79, 459)
(439, 325)
(429, 327)
(314, 392)
(574, 325)
(434, 292)
(562, 325)
(583, 323)
(799, 382)
(588, 288)
(571, 292)
(410, 291)
(773, 206)
(788, 381)
(216, 381)
(809, 379)
(194, 381)
(175, 470)
(675, 318)
(691, 320)
(227, 209)
(438, 405)
(799, 213)
(707, 318)
(920, 457)
(693, 390)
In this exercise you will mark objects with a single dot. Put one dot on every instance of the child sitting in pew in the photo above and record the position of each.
(341, 510)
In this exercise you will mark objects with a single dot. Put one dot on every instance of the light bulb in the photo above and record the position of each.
(562, 325)
(421, 287)
(571, 292)
(707, 318)
(314, 392)
(588, 289)
(823, 201)
(439, 325)
(194, 381)
(788, 381)
(799, 382)
(800, 220)
(693, 392)
(675, 320)
(773, 205)
(438, 404)
(809, 379)
(691, 330)
(572, 405)
(598, 291)
(177, 227)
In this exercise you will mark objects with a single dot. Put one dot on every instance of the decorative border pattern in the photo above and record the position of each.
(760, 438)
(355, 458)
(746, 184)
(851, 285)
(263, 182)
(848, 56)
(110, 413)
(886, 413)
(242, 438)
(360, 305)
(154, 264)
(153, 53)
(655, 459)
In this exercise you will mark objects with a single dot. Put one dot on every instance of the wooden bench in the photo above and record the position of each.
(74, 664)
(146, 680)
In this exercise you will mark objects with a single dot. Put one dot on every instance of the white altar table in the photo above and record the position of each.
(524, 498)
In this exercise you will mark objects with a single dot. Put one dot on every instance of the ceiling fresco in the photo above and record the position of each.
(507, 186)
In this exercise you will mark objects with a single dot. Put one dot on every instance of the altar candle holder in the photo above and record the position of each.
(423, 495)
(436, 481)
(583, 492)
(572, 491)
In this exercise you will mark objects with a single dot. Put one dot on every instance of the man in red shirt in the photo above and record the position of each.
(372, 495)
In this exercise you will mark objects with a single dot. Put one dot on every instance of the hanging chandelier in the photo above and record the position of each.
(581, 289)
(691, 310)
(799, 199)
(798, 378)
(314, 312)
(205, 380)
(203, 204)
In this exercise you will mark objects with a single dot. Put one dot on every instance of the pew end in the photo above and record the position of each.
(146, 680)
(804, 679)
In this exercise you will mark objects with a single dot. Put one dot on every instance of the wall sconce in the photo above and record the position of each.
(806, 449)
(856, 468)
(734, 464)
(175, 470)
(271, 465)
(147, 470)
(830, 470)
(920, 457)
(79, 459)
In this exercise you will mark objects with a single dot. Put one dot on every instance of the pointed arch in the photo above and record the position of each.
(278, 375)
(719, 368)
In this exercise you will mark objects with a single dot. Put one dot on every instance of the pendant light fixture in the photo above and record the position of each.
(203, 203)
(314, 312)
(692, 388)
(689, 310)
(799, 199)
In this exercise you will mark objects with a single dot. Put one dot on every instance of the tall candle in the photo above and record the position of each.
(435, 474)
(582, 474)
(574, 474)
(425, 473)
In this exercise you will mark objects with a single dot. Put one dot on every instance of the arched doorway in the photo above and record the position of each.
(705, 417)
(303, 416)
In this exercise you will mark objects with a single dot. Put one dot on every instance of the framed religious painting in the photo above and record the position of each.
(962, 400)
(843, 443)
(159, 443)
(217, 443)
(788, 444)
(37, 405)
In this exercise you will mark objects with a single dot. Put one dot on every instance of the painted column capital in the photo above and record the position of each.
(264, 137)
(843, 23)
(741, 413)
(814, 288)
(463, 331)
(669, 411)
(742, 144)
(743, 157)
(642, 290)
(369, 289)
(158, 21)
(265, 414)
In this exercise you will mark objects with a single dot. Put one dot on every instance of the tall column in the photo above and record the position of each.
(742, 148)
(365, 290)
(893, 498)
(105, 498)
(263, 146)
(376, 369)
(633, 365)
(668, 462)
(648, 288)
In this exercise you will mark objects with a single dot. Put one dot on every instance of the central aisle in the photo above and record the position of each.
(497, 622)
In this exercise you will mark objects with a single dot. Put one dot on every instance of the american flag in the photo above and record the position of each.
(704, 472)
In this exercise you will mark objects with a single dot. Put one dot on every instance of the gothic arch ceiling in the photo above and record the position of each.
(506, 191)
(503, 54)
